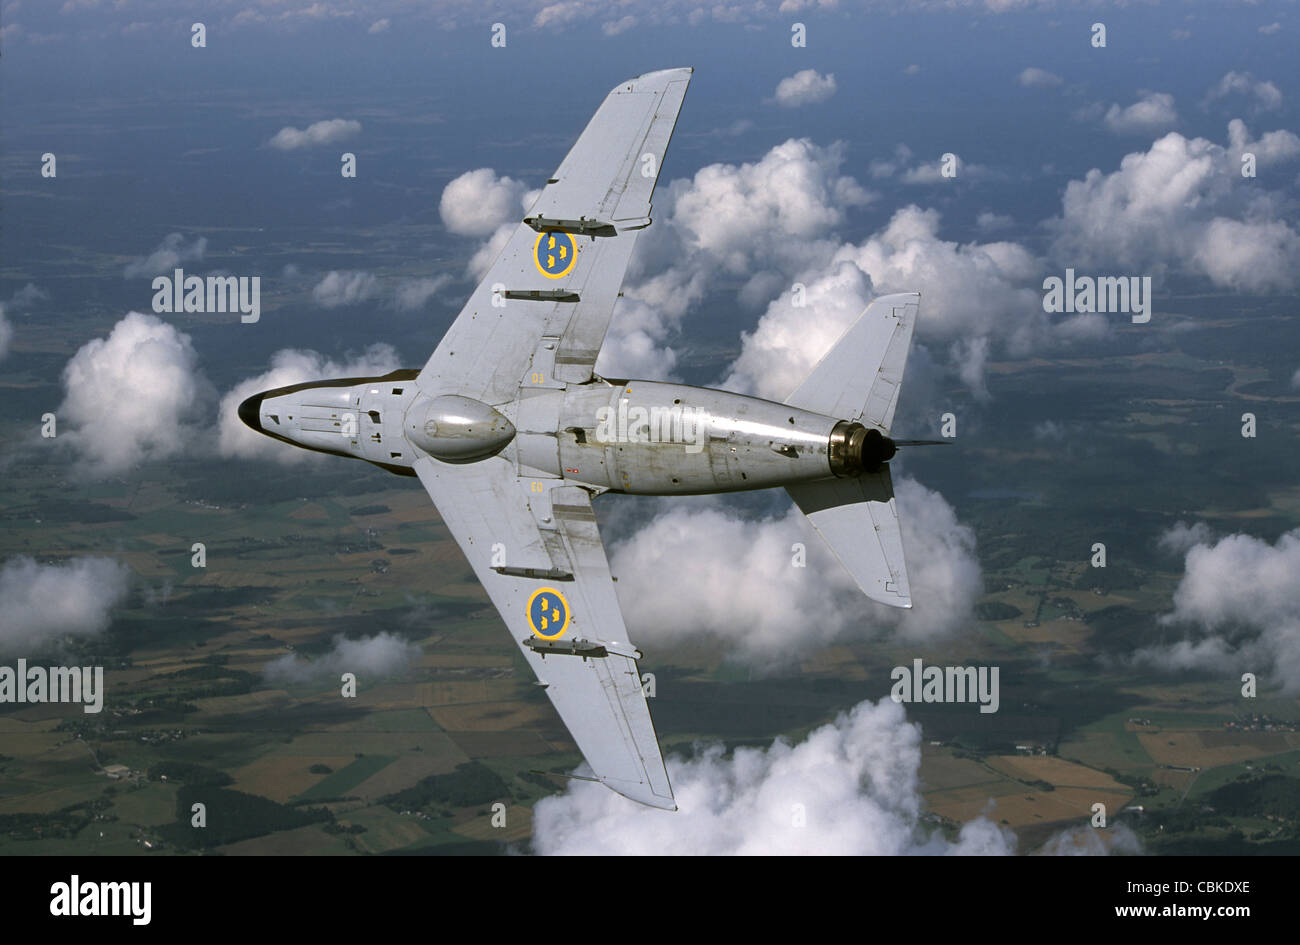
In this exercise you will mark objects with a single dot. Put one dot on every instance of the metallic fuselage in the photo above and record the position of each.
(637, 437)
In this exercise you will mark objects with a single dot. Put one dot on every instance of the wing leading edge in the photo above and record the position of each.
(540, 558)
(539, 316)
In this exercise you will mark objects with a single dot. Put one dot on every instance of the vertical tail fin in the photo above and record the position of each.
(859, 377)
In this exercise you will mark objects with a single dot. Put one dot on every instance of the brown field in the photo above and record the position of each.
(492, 716)
(456, 692)
(1021, 807)
(406, 771)
(1190, 748)
(308, 512)
(1055, 771)
(260, 700)
(281, 777)
(505, 744)
(301, 841)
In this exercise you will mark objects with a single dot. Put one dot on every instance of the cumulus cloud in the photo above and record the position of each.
(171, 252)
(1180, 537)
(369, 658)
(967, 290)
(478, 202)
(27, 296)
(1239, 602)
(760, 222)
(621, 25)
(345, 287)
(1183, 205)
(1118, 840)
(413, 293)
(329, 131)
(289, 366)
(127, 397)
(806, 87)
(1265, 95)
(41, 604)
(1036, 78)
(850, 788)
(1153, 112)
(775, 612)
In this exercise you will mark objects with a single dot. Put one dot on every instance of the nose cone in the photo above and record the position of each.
(250, 412)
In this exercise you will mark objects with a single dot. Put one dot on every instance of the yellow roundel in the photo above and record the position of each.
(548, 613)
(554, 254)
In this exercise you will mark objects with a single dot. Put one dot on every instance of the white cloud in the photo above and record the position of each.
(1266, 95)
(1182, 205)
(990, 222)
(289, 366)
(1239, 600)
(329, 131)
(559, 14)
(369, 658)
(413, 293)
(128, 396)
(380, 26)
(27, 296)
(478, 202)
(967, 290)
(1153, 112)
(1049, 430)
(1036, 78)
(854, 783)
(1180, 537)
(621, 25)
(761, 222)
(696, 547)
(1117, 840)
(1270, 28)
(488, 252)
(171, 252)
(345, 287)
(42, 603)
(806, 87)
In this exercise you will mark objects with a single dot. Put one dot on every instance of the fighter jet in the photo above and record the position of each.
(513, 434)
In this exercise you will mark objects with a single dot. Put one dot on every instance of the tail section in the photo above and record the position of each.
(859, 521)
(860, 376)
(858, 380)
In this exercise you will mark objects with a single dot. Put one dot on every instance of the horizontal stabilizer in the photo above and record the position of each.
(859, 521)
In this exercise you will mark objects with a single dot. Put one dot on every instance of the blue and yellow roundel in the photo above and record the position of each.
(554, 254)
(548, 613)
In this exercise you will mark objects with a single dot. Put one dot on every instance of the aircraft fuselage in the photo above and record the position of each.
(636, 437)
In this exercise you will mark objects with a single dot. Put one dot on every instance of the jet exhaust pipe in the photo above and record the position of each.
(855, 450)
